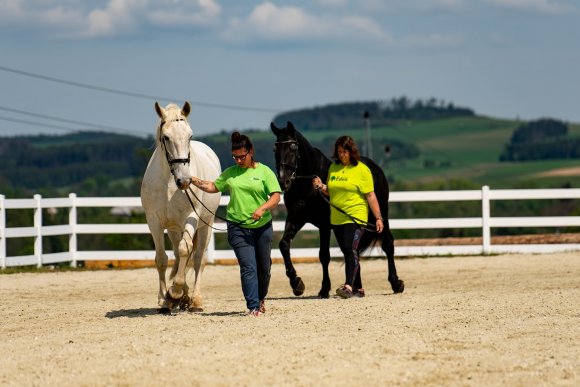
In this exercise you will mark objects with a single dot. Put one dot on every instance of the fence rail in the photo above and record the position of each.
(485, 222)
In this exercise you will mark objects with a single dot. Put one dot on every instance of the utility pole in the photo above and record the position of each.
(368, 141)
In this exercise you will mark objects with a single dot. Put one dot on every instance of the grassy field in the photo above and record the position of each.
(465, 148)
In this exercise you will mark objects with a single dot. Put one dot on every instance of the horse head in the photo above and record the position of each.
(173, 136)
(286, 154)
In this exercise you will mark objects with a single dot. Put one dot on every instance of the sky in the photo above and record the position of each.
(69, 65)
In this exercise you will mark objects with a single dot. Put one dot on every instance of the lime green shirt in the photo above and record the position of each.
(249, 188)
(347, 187)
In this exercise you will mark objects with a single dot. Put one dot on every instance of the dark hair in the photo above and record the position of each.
(240, 141)
(347, 143)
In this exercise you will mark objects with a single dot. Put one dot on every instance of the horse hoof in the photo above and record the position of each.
(164, 310)
(195, 309)
(399, 287)
(324, 294)
(299, 287)
(174, 294)
(184, 302)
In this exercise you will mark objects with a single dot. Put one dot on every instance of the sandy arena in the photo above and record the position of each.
(470, 321)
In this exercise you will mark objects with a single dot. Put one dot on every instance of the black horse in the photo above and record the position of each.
(297, 162)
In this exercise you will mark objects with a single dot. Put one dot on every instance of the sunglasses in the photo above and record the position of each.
(240, 157)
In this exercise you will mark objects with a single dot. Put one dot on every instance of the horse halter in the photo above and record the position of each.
(294, 149)
(170, 160)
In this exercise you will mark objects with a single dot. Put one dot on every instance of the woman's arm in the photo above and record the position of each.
(206, 186)
(271, 203)
(374, 206)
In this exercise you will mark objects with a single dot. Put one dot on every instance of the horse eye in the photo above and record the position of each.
(165, 138)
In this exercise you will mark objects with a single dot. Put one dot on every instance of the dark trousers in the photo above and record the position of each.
(348, 237)
(253, 247)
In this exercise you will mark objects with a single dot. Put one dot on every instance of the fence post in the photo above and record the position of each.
(38, 228)
(485, 215)
(72, 221)
(2, 231)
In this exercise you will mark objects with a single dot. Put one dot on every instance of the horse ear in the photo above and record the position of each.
(290, 126)
(274, 129)
(159, 110)
(186, 109)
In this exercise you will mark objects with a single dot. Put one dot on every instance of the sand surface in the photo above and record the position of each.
(465, 321)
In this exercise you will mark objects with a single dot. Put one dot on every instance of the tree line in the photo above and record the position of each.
(542, 139)
(382, 113)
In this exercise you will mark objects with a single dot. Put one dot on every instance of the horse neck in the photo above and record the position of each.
(312, 160)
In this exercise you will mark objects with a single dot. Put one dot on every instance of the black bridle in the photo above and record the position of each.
(292, 168)
(171, 160)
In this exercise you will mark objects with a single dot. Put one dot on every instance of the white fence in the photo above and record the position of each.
(485, 223)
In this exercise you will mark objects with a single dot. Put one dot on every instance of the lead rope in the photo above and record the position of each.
(211, 212)
(360, 222)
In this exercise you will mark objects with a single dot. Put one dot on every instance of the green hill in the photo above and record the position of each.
(431, 144)
(456, 148)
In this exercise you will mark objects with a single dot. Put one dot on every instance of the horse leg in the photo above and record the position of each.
(200, 243)
(161, 264)
(388, 245)
(182, 254)
(324, 255)
(290, 230)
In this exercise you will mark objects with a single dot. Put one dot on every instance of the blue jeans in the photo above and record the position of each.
(253, 247)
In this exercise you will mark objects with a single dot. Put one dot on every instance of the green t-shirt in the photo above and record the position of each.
(249, 188)
(347, 186)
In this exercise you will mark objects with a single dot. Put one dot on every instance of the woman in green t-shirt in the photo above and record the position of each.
(254, 191)
(351, 189)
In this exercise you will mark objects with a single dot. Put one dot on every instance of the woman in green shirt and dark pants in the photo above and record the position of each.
(254, 191)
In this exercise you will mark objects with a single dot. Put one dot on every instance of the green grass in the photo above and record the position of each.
(467, 148)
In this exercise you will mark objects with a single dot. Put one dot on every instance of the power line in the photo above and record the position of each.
(135, 95)
(65, 120)
(43, 125)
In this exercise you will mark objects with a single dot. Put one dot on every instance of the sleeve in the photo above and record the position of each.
(271, 182)
(366, 180)
(221, 183)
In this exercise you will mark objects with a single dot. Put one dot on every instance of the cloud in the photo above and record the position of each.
(432, 40)
(542, 6)
(333, 3)
(123, 16)
(271, 23)
(77, 18)
(40, 14)
(422, 5)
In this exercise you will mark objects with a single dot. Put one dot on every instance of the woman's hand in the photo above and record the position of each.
(257, 215)
(197, 182)
(379, 225)
(317, 183)
(205, 186)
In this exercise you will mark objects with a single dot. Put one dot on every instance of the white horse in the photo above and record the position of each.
(164, 197)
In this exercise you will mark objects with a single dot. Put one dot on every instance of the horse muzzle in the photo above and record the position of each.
(183, 183)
